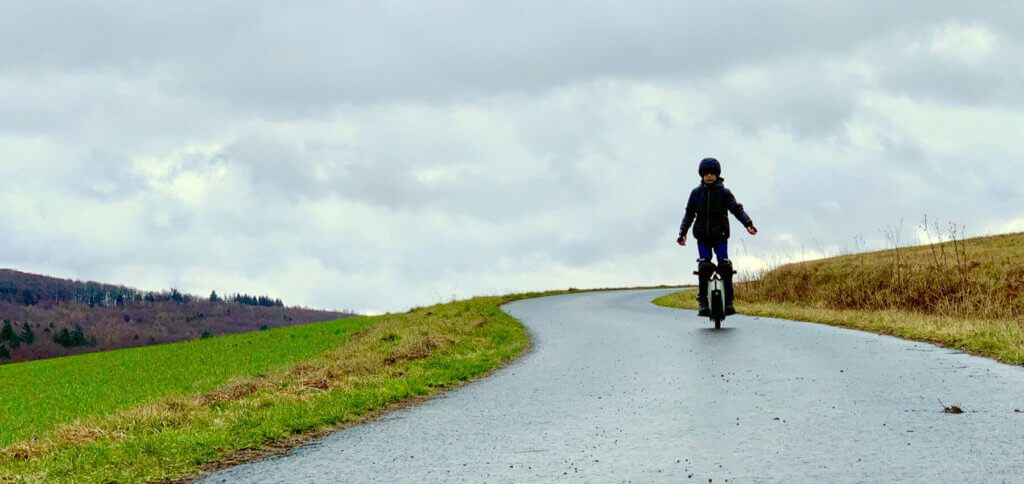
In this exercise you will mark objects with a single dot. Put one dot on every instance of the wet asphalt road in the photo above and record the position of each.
(617, 389)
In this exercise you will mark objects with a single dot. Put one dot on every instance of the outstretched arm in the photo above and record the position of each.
(737, 210)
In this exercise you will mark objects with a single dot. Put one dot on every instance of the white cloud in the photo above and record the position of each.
(966, 44)
(1013, 225)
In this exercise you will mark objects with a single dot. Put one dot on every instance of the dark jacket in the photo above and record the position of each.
(710, 206)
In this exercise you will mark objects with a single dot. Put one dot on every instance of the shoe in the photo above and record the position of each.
(730, 310)
(703, 311)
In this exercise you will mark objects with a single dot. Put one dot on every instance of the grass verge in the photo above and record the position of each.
(249, 402)
(999, 339)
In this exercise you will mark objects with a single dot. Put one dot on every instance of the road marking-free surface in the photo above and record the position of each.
(617, 389)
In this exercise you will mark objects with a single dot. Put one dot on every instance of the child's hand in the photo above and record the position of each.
(752, 230)
(681, 240)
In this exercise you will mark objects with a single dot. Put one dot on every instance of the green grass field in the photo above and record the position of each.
(177, 411)
(39, 395)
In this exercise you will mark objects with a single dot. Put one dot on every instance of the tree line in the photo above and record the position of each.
(11, 338)
(58, 317)
(264, 301)
(30, 289)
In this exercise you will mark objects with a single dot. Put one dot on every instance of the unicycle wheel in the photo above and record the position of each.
(717, 308)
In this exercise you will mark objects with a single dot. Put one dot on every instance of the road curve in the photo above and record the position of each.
(617, 389)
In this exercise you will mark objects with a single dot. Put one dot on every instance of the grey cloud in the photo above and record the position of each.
(105, 110)
(994, 81)
(276, 167)
(106, 176)
(312, 56)
(475, 49)
(380, 168)
(385, 182)
(311, 171)
(906, 153)
(798, 96)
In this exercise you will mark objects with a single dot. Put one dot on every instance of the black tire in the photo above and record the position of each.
(717, 308)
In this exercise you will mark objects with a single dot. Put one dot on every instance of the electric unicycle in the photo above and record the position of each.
(715, 298)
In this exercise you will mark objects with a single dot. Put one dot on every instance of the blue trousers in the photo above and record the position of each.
(721, 250)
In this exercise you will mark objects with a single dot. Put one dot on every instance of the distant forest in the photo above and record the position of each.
(45, 317)
(29, 289)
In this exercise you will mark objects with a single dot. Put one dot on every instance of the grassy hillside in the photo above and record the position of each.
(40, 395)
(179, 410)
(976, 278)
(967, 294)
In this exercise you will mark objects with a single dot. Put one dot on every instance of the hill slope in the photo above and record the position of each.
(965, 294)
(976, 278)
(44, 317)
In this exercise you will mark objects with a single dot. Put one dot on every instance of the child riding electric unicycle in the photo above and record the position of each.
(707, 211)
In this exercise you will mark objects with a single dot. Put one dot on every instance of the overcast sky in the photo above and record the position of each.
(379, 155)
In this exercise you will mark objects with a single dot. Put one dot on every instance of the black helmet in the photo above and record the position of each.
(709, 165)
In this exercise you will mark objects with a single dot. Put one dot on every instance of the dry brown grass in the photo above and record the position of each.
(419, 348)
(961, 293)
(979, 278)
(234, 390)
